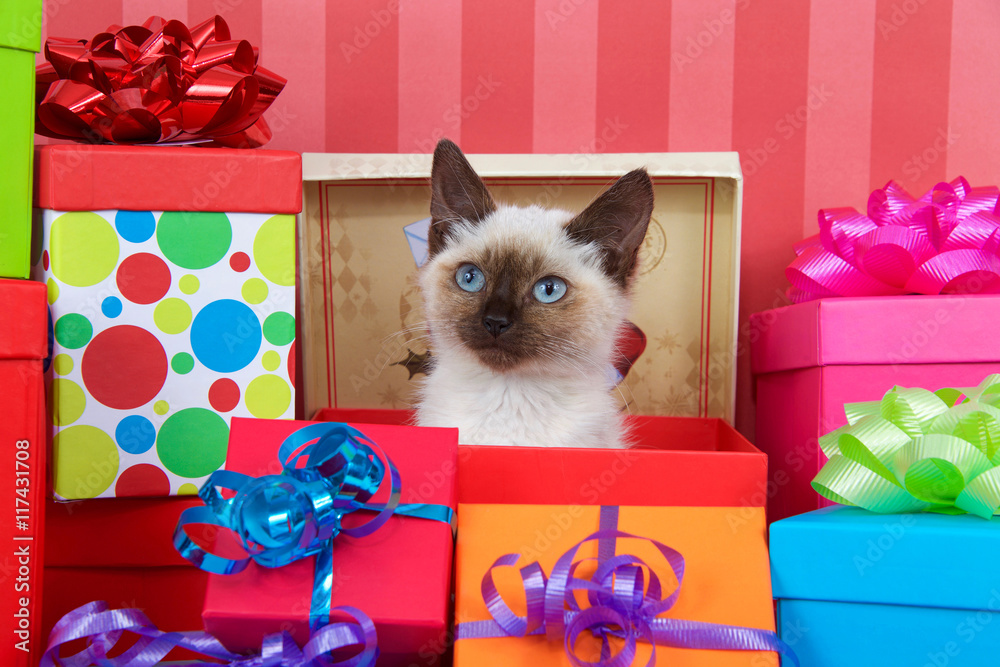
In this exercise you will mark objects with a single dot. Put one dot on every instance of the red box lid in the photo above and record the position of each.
(913, 329)
(679, 461)
(83, 177)
(24, 320)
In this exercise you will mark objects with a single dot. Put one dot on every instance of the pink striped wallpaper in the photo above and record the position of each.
(824, 99)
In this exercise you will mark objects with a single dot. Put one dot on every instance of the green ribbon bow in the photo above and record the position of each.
(917, 450)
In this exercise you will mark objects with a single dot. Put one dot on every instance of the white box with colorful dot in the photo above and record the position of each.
(167, 319)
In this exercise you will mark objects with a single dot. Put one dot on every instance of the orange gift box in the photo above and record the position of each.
(726, 580)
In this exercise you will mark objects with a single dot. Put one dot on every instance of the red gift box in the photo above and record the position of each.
(225, 179)
(399, 576)
(114, 532)
(170, 596)
(23, 346)
(120, 550)
(677, 461)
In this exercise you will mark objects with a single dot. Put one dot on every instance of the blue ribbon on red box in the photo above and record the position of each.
(329, 470)
(622, 605)
(103, 628)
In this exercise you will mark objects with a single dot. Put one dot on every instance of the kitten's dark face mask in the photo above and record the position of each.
(505, 312)
(518, 285)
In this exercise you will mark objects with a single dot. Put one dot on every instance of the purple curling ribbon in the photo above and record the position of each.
(103, 628)
(946, 241)
(622, 605)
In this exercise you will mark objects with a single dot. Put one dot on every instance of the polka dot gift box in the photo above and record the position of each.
(171, 288)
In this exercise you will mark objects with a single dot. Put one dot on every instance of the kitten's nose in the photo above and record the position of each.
(496, 325)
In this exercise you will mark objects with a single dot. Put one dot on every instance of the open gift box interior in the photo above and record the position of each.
(360, 244)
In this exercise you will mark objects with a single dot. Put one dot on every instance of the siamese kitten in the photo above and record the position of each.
(524, 306)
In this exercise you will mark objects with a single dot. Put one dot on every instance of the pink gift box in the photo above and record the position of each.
(811, 358)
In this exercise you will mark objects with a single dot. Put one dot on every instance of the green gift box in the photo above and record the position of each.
(20, 38)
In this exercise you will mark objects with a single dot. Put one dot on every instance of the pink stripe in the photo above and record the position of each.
(975, 98)
(770, 81)
(242, 16)
(362, 81)
(430, 79)
(838, 135)
(498, 44)
(701, 75)
(565, 76)
(633, 79)
(910, 101)
(297, 118)
(134, 12)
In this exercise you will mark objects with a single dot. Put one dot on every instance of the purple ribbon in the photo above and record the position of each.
(944, 242)
(622, 605)
(103, 628)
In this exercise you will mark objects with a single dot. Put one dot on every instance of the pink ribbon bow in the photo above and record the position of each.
(945, 242)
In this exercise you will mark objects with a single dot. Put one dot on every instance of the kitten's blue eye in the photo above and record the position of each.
(470, 278)
(549, 290)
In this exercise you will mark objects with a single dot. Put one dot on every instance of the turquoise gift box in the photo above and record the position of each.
(857, 588)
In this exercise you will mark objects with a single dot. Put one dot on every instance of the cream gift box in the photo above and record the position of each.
(363, 344)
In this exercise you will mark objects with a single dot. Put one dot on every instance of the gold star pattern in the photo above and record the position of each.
(390, 397)
(668, 342)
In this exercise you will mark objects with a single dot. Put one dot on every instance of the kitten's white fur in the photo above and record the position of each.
(561, 398)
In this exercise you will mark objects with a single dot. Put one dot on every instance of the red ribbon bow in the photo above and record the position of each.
(945, 242)
(155, 83)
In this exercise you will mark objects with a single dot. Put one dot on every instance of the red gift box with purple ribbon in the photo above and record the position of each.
(906, 294)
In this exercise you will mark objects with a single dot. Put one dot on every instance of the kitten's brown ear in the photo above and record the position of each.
(616, 221)
(457, 192)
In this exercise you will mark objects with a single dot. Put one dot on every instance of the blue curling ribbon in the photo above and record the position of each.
(622, 604)
(102, 629)
(328, 471)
